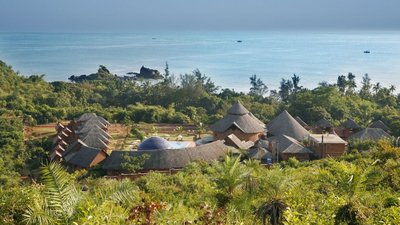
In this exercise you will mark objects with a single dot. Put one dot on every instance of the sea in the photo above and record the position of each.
(228, 58)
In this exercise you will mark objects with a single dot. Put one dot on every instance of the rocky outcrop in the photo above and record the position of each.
(147, 73)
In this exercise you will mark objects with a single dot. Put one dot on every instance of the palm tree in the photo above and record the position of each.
(60, 199)
(352, 212)
(201, 129)
(274, 207)
(231, 174)
(62, 203)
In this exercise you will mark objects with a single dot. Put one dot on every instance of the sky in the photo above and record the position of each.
(133, 15)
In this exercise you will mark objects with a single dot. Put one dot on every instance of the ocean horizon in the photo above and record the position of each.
(229, 58)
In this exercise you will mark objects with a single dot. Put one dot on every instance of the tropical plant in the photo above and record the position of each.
(230, 175)
(59, 201)
(133, 163)
(277, 184)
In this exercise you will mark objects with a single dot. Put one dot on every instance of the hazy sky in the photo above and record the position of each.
(133, 15)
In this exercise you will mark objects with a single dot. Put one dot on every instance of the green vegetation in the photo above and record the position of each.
(191, 99)
(356, 189)
(362, 187)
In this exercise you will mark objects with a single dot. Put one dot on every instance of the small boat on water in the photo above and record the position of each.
(367, 52)
(239, 41)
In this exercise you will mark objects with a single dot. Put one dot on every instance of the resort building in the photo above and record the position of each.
(347, 128)
(261, 154)
(165, 159)
(284, 147)
(323, 126)
(78, 155)
(370, 134)
(82, 143)
(239, 122)
(232, 140)
(381, 125)
(285, 124)
(327, 145)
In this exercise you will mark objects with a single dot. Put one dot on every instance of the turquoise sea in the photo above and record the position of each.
(314, 55)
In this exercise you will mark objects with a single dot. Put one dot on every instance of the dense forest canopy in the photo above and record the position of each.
(192, 98)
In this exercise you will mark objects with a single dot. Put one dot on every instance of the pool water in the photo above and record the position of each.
(179, 144)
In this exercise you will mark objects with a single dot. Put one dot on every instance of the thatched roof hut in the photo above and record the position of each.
(241, 118)
(350, 124)
(285, 124)
(323, 124)
(169, 158)
(381, 125)
(373, 134)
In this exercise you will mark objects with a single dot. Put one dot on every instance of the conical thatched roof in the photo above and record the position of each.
(285, 124)
(379, 124)
(350, 124)
(241, 118)
(238, 109)
(300, 121)
(323, 123)
(373, 134)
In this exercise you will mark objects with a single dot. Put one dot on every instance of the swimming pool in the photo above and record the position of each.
(179, 144)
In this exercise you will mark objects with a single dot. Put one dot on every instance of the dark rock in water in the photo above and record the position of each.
(367, 52)
(131, 73)
(146, 73)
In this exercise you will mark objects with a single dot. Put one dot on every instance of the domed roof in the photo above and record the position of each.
(154, 143)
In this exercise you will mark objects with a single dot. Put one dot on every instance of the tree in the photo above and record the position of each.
(166, 70)
(231, 175)
(133, 163)
(352, 212)
(377, 87)
(205, 82)
(274, 207)
(258, 88)
(296, 81)
(365, 91)
(351, 83)
(341, 84)
(285, 89)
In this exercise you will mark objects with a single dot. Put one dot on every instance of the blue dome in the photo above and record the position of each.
(154, 143)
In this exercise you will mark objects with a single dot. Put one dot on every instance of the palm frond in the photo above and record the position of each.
(38, 213)
(60, 191)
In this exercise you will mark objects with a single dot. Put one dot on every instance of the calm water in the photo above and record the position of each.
(316, 56)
